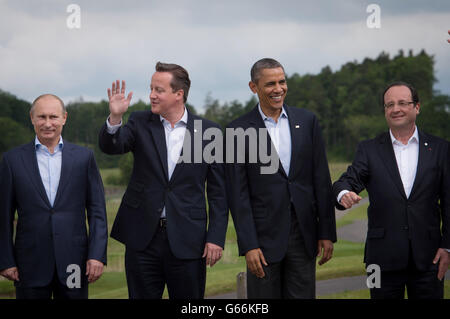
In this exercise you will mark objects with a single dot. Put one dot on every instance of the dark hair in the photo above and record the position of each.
(180, 77)
(266, 63)
(48, 95)
(414, 95)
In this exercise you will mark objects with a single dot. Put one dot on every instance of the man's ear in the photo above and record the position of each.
(253, 87)
(418, 108)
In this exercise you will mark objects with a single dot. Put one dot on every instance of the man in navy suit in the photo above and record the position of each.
(284, 218)
(162, 220)
(407, 175)
(52, 184)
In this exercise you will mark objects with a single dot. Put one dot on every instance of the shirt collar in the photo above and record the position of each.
(38, 144)
(264, 117)
(183, 119)
(413, 139)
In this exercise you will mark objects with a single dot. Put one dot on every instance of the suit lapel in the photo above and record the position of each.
(257, 122)
(30, 163)
(296, 137)
(388, 158)
(159, 138)
(68, 157)
(425, 154)
(189, 139)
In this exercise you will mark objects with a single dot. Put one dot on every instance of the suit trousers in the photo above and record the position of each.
(294, 277)
(418, 284)
(55, 289)
(148, 271)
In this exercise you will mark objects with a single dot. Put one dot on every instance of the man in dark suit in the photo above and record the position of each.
(51, 183)
(407, 175)
(284, 218)
(162, 219)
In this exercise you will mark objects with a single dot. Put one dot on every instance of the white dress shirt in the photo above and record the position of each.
(49, 167)
(280, 134)
(174, 141)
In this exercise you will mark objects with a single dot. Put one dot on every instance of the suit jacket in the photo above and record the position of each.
(183, 196)
(46, 235)
(261, 203)
(396, 222)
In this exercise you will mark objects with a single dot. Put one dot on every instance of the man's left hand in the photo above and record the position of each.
(443, 257)
(212, 253)
(94, 270)
(324, 248)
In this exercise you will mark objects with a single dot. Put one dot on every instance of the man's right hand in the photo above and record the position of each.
(350, 199)
(10, 273)
(254, 258)
(118, 104)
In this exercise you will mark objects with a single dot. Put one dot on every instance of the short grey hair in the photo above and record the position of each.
(266, 63)
(47, 95)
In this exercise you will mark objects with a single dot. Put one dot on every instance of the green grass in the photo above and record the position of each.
(358, 213)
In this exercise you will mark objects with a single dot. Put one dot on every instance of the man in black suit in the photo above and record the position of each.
(407, 175)
(162, 219)
(52, 184)
(284, 218)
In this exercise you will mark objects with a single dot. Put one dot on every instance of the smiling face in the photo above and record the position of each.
(400, 117)
(48, 118)
(162, 97)
(271, 88)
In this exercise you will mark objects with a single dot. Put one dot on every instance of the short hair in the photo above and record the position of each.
(63, 107)
(180, 77)
(266, 63)
(414, 94)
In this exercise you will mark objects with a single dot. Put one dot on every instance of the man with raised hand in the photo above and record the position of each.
(162, 220)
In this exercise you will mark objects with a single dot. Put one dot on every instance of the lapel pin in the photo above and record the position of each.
(297, 126)
(426, 144)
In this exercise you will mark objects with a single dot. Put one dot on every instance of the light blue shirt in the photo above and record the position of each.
(280, 134)
(49, 167)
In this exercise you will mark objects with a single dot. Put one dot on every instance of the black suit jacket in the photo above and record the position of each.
(395, 221)
(183, 195)
(46, 235)
(260, 203)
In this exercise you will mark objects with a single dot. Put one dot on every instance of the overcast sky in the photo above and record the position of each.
(216, 41)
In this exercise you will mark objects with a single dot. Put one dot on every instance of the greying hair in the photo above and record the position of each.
(48, 95)
(266, 63)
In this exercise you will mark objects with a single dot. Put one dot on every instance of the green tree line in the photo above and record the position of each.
(347, 102)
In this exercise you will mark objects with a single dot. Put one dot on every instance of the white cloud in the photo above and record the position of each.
(217, 44)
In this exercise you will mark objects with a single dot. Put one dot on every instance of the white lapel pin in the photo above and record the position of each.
(297, 126)
(426, 144)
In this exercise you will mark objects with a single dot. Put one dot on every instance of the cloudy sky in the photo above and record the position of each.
(216, 41)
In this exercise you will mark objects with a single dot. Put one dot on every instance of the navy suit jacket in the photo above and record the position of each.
(395, 222)
(261, 203)
(47, 235)
(183, 196)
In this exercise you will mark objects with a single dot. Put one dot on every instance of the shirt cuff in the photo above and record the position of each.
(112, 129)
(342, 193)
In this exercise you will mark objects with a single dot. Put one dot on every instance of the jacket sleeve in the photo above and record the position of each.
(96, 213)
(444, 198)
(356, 176)
(322, 187)
(7, 211)
(239, 200)
(122, 141)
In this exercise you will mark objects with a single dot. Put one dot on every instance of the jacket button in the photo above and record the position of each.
(405, 227)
